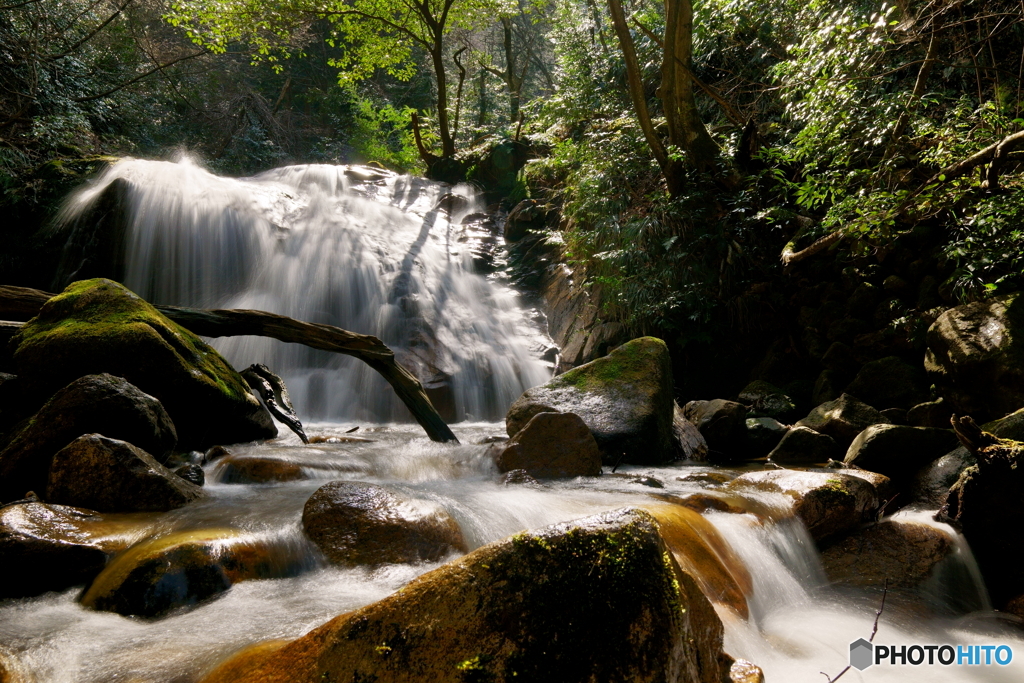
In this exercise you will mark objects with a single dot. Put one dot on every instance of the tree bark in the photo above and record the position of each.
(23, 303)
(447, 143)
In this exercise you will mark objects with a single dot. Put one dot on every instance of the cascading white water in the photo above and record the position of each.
(377, 257)
(369, 251)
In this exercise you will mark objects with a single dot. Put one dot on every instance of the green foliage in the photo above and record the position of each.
(383, 134)
(988, 247)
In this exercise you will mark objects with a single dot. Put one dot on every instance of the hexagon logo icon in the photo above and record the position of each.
(861, 654)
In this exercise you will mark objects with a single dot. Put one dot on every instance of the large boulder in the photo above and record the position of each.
(598, 599)
(764, 399)
(185, 568)
(828, 503)
(355, 523)
(975, 357)
(842, 419)
(889, 383)
(92, 404)
(803, 446)
(898, 451)
(98, 326)
(625, 398)
(257, 469)
(723, 425)
(551, 446)
(108, 475)
(894, 552)
(52, 547)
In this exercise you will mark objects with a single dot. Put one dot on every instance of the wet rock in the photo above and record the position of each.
(215, 453)
(525, 216)
(842, 419)
(689, 442)
(723, 424)
(884, 486)
(355, 523)
(257, 469)
(500, 614)
(803, 446)
(519, 478)
(930, 414)
(766, 400)
(192, 473)
(898, 551)
(930, 484)
(184, 569)
(703, 554)
(889, 383)
(898, 451)
(552, 446)
(108, 475)
(976, 359)
(828, 503)
(625, 398)
(12, 670)
(101, 404)
(52, 547)
(99, 326)
(742, 671)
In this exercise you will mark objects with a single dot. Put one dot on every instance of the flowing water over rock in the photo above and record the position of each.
(293, 242)
(361, 249)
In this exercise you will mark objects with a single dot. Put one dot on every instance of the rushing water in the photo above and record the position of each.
(305, 242)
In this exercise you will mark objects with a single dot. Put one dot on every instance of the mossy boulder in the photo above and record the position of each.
(184, 569)
(108, 475)
(92, 404)
(598, 599)
(975, 357)
(894, 552)
(828, 502)
(625, 398)
(52, 547)
(552, 445)
(355, 523)
(100, 326)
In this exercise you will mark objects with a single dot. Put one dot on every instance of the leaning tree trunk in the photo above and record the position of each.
(24, 303)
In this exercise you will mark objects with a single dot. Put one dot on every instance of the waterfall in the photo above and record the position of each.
(359, 248)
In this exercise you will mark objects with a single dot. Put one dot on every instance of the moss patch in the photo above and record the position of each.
(630, 363)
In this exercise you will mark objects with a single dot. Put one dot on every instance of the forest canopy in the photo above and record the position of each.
(678, 148)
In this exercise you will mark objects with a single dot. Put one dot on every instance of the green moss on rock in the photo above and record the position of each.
(97, 326)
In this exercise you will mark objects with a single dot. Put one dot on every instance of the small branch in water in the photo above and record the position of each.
(874, 631)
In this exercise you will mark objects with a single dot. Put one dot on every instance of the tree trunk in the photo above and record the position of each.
(514, 83)
(21, 302)
(447, 143)
(685, 128)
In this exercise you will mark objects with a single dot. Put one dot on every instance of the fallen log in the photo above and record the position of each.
(22, 303)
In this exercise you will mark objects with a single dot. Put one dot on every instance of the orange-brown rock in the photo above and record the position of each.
(355, 523)
(702, 552)
(598, 599)
(185, 568)
(255, 469)
(552, 446)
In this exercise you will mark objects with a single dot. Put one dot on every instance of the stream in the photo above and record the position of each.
(371, 251)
